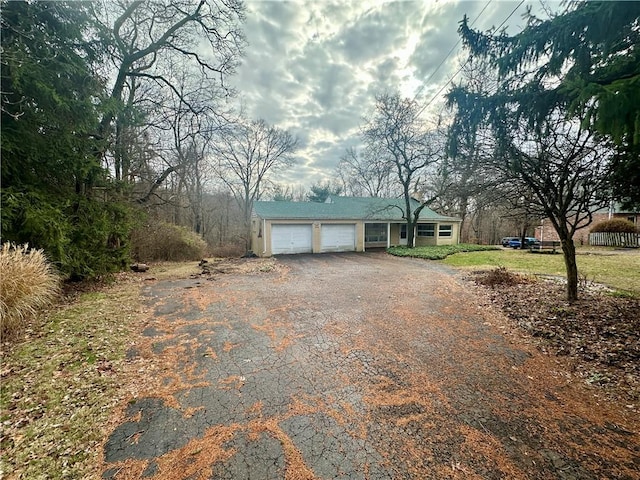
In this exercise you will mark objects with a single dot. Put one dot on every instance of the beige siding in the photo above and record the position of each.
(437, 239)
(453, 239)
(261, 234)
(394, 235)
(257, 235)
(425, 241)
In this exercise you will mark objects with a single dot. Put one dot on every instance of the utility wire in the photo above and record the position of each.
(450, 52)
(464, 64)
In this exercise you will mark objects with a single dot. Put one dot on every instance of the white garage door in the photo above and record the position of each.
(338, 238)
(290, 239)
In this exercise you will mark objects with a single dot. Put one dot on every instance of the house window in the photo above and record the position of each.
(632, 219)
(426, 230)
(445, 231)
(375, 232)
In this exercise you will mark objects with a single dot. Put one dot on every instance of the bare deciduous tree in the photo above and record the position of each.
(286, 193)
(471, 188)
(151, 45)
(397, 131)
(246, 153)
(565, 169)
(365, 173)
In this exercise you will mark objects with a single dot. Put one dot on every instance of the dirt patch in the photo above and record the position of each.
(600, 333)
(238, 266)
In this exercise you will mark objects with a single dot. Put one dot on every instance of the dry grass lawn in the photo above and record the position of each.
(618, 269)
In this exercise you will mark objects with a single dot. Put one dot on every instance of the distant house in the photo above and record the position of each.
(545, 232)
(343, 224)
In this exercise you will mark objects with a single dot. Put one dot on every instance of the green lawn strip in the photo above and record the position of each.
(618, 271)
(59, 385)
(438, 252)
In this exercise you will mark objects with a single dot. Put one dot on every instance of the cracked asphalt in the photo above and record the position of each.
(360, 366)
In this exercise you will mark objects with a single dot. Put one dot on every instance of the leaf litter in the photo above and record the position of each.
(599, 333)
(62, 380)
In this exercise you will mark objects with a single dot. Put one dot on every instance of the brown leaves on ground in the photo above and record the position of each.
(65, 372)
(600, 332)
(238, 266)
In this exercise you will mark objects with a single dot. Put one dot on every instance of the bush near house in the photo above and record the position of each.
(438, 252)
(614, 225)
(162, 241)
(28, 284)
(228, 250)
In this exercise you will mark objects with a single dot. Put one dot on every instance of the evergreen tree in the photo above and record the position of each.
(567, 96)
(49, 119)
(319, 192)
(586, 61)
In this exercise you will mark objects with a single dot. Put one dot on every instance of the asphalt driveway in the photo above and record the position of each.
(360, 366)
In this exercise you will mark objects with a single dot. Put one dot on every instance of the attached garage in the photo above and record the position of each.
(338, 238)
(287, 239)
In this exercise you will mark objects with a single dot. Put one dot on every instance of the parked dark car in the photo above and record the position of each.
(528, 242)
(506, 240)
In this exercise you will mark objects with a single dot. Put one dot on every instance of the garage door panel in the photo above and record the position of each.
(287, 239)
(338, 238)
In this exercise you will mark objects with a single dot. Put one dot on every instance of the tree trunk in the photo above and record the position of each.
(198, 223)
(156, 185)
(411, 227)
(117, 154)
(464, 205)
(569, 250)
(246, 221)
(177, 207)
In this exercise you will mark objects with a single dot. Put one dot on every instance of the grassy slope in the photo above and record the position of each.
(620, 271)
(58, 386)
(616, 269)
(61, 382)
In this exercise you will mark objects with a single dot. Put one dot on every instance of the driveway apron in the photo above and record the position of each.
(360, 366)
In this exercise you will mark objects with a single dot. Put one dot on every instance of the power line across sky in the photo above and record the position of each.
(464, 64)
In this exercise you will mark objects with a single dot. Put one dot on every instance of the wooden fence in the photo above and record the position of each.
(610, 239)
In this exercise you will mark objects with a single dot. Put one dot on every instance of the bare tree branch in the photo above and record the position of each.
(396, 131)
(247, 152)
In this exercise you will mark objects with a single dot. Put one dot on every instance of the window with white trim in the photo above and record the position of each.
(445, 231)
(426, 229)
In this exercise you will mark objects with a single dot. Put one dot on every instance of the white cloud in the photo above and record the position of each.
(314, 67)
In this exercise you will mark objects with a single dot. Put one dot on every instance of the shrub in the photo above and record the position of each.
(228, 250)
(615, 225)
(28, 284)
(84, 238)
(439, 252)
(500, 276)
(166, 242)
(98, 241)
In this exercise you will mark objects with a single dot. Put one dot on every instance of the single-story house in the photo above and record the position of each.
(343, 224)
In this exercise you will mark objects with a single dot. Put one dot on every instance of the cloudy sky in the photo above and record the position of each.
(314, 67)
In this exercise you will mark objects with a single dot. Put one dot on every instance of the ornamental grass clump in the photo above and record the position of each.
(28, 284)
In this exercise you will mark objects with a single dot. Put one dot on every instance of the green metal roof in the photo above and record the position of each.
(344, 208)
